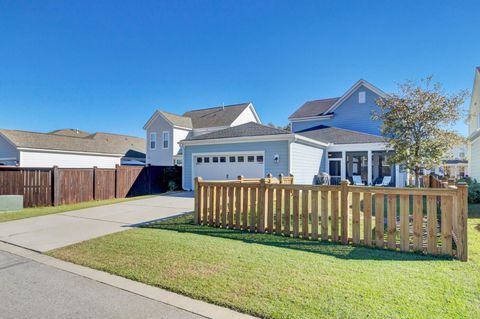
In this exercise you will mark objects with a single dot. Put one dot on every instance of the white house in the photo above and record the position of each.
(165, 130)
(474, 129)
(69, 148)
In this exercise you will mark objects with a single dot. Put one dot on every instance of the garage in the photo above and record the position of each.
(224, 166)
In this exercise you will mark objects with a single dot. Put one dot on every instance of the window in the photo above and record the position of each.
(206, 159)
(334, 168)
(260, 159)
(251, 159)
(223, 159)
(241, 159)
(361, 97)
(199, 160)
(232, 159)
(335, 155)
(215, 159)
(153, 141)
(177, 162)
(165, 138)
(461, 154)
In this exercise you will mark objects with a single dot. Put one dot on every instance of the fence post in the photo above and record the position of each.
(344, 211)
(280, 178)
(116, 180)
(462, 215)
(262, 205)
(56, 186)
(94, 182)
(293, 182)
(197, 200)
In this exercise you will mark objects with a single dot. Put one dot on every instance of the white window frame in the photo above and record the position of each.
(153, 138)
(362, 97)
(165, 134)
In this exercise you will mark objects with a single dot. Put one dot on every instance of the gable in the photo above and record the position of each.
(248, 115)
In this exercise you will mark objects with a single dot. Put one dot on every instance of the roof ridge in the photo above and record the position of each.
(216, 107)
(338, 128)
(116, 134)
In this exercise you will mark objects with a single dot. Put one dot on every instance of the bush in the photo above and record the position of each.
(474, 193)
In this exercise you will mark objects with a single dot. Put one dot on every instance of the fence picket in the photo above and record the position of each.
(356, 217)
(392, 221)
(253, 208)
(296, 213)
(278, 211)
(205, 205)
(404, 223)
(446, 223)
(224, 206)
(212, 206)
(288, 196)
(432, 224)
(417, 222)
(238, 206)
(315, 215)
(270, 210)
(231, 205)
(245, 207)
(325, 215)
(367, 219)
(305, 214)
(344, 212)
(379, 220)
(334, 200)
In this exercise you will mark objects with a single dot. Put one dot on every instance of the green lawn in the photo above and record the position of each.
(39, 211)
(277, 277)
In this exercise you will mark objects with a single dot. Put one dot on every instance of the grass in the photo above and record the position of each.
(40, 211)
(277, 277)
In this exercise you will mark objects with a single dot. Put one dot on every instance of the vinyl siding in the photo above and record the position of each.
(178, 135)
(7, 150)
(349, 115)
(270, 148)
(49, 159)
(306, 162)
(160, 156)
(474, 159)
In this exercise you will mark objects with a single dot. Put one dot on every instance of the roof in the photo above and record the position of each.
(314, 108)
(243, 130)
(177, 120)
(216, 116)
(70, 132)
(335, 135)
(106, 143)
(328, 106)
(455, 161)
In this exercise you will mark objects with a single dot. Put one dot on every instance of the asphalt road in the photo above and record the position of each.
(29, 289)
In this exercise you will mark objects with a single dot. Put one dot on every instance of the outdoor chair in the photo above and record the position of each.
(385, 182)
(357, 180)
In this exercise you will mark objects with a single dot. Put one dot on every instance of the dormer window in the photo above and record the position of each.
(361, 97)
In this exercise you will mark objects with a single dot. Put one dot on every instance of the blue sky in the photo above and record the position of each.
(107, 65)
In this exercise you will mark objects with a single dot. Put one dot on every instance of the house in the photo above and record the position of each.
(170, 128)
(455, 163)
(69, 148)
(355, 145)
(474, 129)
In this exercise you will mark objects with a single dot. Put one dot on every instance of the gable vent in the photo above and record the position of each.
(361, 97)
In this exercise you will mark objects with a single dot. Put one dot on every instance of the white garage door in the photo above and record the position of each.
(229, 166)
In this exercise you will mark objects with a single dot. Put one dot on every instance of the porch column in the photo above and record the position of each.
(397, 176)
(369, 165)
(343, 166)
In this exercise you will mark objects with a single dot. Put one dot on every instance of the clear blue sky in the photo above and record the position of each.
(107, 65)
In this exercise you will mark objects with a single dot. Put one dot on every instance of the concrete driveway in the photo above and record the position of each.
(57, 230)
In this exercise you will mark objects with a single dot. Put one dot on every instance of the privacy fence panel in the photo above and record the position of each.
(35, 184)
(431, 221)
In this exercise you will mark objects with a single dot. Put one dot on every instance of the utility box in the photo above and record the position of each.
(10, 203)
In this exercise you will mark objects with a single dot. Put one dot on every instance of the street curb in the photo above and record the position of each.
(197, 307)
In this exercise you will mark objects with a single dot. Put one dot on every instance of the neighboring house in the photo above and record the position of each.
(69, 148)
(474, 129)
(164, 130)
(355, 147)
(455, 163)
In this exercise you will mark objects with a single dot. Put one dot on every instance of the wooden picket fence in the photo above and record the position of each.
(428, 220)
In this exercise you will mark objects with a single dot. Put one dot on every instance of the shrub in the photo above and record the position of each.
(474, 193)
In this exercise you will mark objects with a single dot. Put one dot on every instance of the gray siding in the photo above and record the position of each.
(160, 156)
(307, 161)
(7, 150)
(350, 115)
(270, 148)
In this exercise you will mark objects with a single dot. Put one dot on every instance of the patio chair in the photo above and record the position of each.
(357, 180)
(385, 182)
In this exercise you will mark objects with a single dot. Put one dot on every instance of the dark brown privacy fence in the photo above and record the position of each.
(433, 221)
(58, 186)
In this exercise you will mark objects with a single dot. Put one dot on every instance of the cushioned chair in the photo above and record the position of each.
(385, 182)
(357, 180)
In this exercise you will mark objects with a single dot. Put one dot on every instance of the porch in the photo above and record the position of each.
(365, 162)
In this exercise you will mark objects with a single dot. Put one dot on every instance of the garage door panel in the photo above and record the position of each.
(229, 166)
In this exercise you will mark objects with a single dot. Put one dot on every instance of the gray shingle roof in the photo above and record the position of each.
(177, 120)
(247, 129)
(97, 143)
(328, 134)
(314, 108)
(216, 116)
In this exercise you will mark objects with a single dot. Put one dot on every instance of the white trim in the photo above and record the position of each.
(163, 140)
(310, 118)
(263, 138)
(250, 105)
(45, 150)
(358, 147)
(156, 114)
(347, 94)
(150, 141)
(224, 153)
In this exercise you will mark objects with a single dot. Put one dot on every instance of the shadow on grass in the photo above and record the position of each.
(184, 224)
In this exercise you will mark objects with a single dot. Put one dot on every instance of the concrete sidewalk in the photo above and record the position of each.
(58, 230)
(39, 286)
